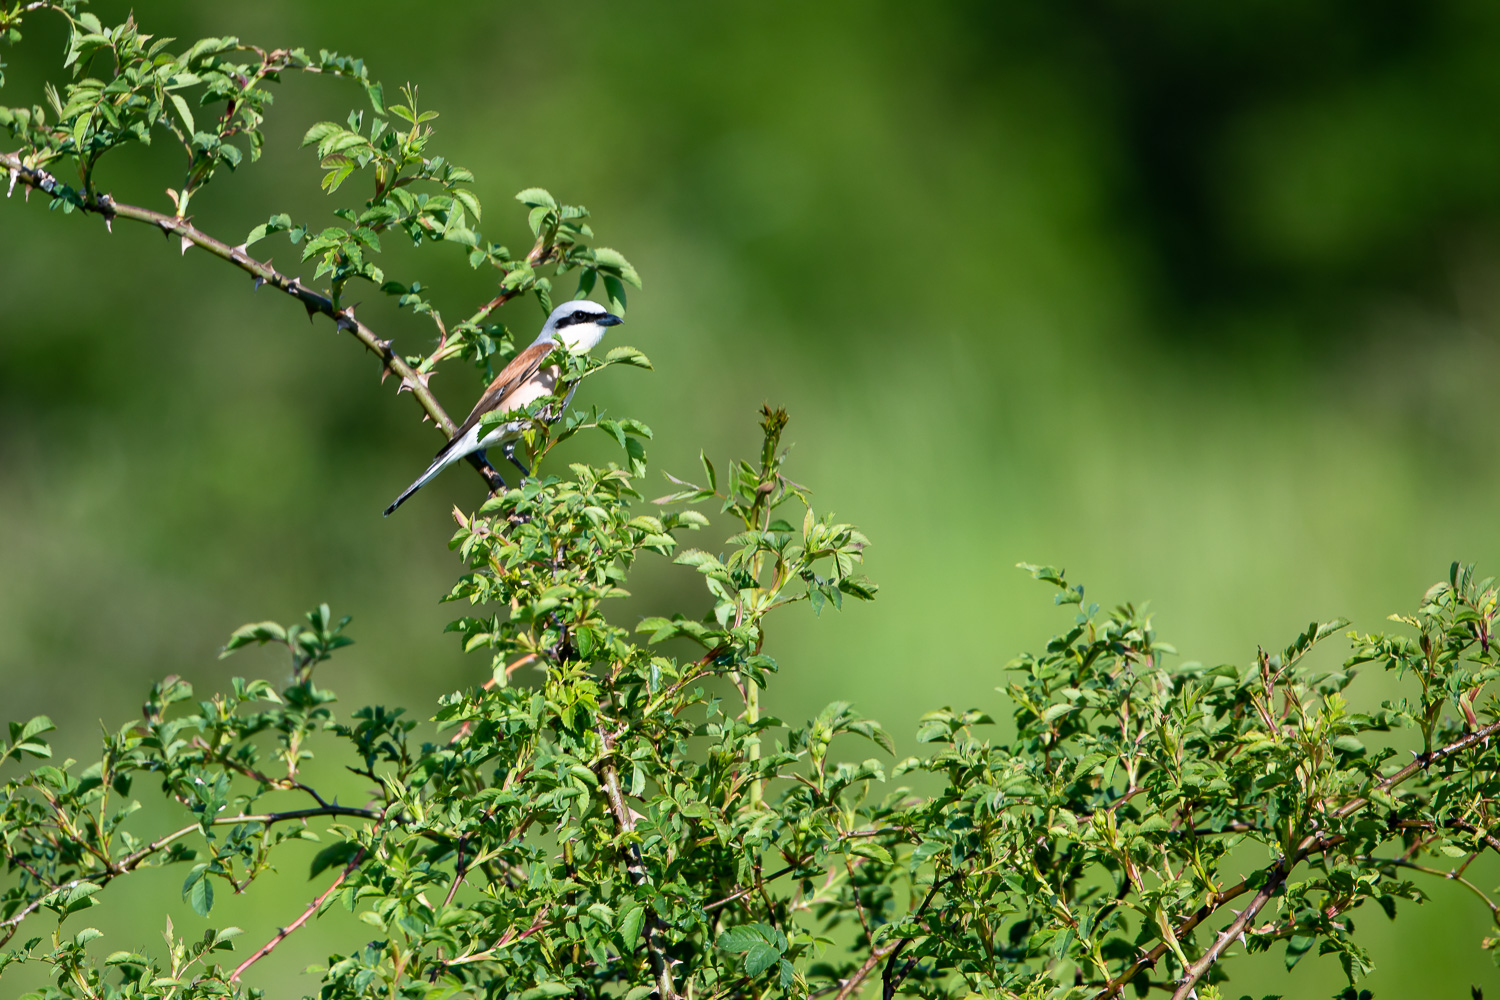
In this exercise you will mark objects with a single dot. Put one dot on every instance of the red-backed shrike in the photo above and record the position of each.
(574, 326)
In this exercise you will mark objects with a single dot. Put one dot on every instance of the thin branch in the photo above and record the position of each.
(264, 274)
(747, 890)
(1310, 845)
(877, 955)
(891, 979)
(1422, 762)
(312, 908)
(1452, 876)
(131, 861)
(508, 938)
(458, 874)
(661, 966)
(1187, 987)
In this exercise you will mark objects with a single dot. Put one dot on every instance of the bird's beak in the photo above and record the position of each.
(610, 319)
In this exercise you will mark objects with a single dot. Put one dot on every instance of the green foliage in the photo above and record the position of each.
(611, 814)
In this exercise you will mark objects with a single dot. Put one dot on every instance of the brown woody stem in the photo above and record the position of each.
(313, 301)
(661, 966)
(1278, 873)
(312, 908)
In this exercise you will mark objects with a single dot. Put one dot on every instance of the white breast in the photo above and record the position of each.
(539, 386)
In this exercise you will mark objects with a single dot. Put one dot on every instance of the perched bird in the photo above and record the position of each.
(575, 326)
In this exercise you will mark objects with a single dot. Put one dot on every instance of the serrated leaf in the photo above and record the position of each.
(184, 113)
(760, 957)
(631, 923)
(536, 198)
(628, 356)
(543, 990)
(334, 854)
(199, 893)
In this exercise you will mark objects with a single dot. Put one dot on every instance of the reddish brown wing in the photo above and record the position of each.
(521, 368)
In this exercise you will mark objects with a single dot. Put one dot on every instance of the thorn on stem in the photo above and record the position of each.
(186, 242)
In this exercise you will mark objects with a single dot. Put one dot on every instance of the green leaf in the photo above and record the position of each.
(612, 262)
(184, 113)
(198, 890)
(126, 958)
(623, 355)
(542, 990)
(259, 632)
(321, 131)
(1349, 744)
(761, 956)
(339, 854)
(631, 923)
(80, 897)
(34, 726)
(468, 200)
(614, 290)
(536, 198)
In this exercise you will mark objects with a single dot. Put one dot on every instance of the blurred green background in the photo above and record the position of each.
(1199, 301)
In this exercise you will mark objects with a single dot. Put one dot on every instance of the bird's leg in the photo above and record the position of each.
(510, 454)
(491, 470)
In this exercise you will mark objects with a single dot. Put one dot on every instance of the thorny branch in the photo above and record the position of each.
(1277, 873)
(132, 861)
(264, 274)
(312, 908)
(661, 966)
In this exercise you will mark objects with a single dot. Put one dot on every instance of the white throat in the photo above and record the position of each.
(579, 338)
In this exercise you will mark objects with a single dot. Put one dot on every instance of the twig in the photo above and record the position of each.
(1310, 845)
(892, 950)
(1453, 876)
(1188, 985)
(1422, 762)
(661, 966)
(315, 303)
(508, 938)
(747, 890)
(458, 874)
(133, 860)
(889, 978)
(855, 981)
(312, 908)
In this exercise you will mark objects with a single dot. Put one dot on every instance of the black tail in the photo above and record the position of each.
(402, 498)
(432, 470)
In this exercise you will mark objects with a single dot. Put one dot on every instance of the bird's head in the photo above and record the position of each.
(578, 325)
